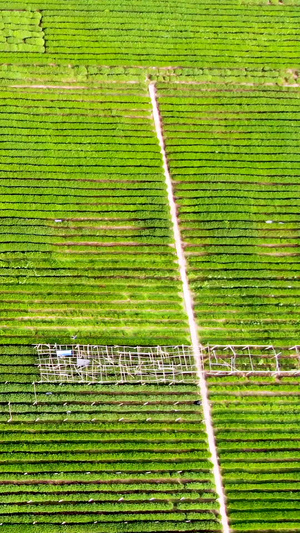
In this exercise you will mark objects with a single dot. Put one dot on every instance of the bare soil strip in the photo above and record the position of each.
(188, 301)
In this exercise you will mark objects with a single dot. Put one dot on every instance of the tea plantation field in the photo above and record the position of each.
(86, 246)
(152, 33)
(99, 458)
(234, 159)
(97, 174)
(256, 422)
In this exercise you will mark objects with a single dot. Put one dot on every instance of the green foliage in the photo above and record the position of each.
(86, 250)
(144, 461)
(20, 31)
(84, 207)
(237, 194)
(257, 430)
(194, 35)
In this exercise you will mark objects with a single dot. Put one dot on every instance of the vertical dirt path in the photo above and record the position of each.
(188, 301)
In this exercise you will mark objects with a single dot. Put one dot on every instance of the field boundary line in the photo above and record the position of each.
(188, 302)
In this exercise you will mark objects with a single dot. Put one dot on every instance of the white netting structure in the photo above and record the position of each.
(160, 364)
(256, 359)
(116, 364)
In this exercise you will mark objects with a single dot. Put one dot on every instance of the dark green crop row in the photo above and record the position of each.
(71, 456)
(39, 468)
(71, 306)
(106, 492)
(69, 449)
(85, 518)
(98, 200)
(99, 418)
(128, 293)
(90, 437)
(110, 106)
(121, 98)
(250, 129)
(111, 527)
(105, 507)
(99, 139)
(103, 150)
(66, 122)
(185, 412)
(154, 393)
(101, 496)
